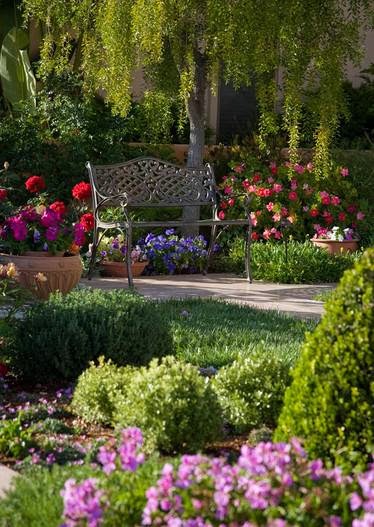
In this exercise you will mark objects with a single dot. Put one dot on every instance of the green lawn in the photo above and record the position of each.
(213, 333)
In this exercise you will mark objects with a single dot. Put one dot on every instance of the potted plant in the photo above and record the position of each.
(113, 253)
(43, 242)
(336, 240)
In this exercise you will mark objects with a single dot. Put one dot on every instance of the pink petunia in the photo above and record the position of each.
(344, 172)
(292, 196)
(335, 200)
(360, 215)
(270, 206)
(277, 187)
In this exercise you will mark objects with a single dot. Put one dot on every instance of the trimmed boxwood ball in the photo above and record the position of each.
(251, 390)
(57, 339)
(330, 403)
(172, 404)
(97, 388)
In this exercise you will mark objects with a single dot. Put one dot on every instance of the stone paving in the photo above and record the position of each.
(296, 300)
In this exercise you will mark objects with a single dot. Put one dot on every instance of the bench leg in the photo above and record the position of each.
(248, 269)
(128, 257)
(210, 249)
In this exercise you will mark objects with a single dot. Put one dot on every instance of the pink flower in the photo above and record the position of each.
(246, 184)
(360, 216)
(284, 211)
(310, 167)
(335, 200)
(293, 184)
(299, 168)
(239, 169)
(277, 217)
(291, 219)
(292, 196)
(231, 202)
(325, 198)
(344, 172)
(277, 187)
(313, 213)
(273, 168)
(277, 234)
(328, 217)
(227, 190)
(267, 192)
(270, 206)
(253, 219)
(267, 234)
(271, 180)
(351, 208)
(221, 215)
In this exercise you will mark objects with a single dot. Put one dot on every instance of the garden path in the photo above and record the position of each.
(6, 476)
(296, 300)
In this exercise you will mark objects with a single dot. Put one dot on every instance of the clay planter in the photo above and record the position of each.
(119, 269)
(58, 273)
(335, 247)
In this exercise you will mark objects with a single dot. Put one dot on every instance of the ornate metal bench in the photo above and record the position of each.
(150, 182)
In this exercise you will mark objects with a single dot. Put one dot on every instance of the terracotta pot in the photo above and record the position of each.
(119, 269)
(335, 247)
(58, 273)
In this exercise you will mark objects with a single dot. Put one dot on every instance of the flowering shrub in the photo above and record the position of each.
(271, 484)
(115, 250)
(288, 199)
(169, 253)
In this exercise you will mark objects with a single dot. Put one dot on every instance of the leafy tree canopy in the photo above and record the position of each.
(182, 45)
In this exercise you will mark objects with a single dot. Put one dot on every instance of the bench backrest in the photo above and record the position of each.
(150, 182)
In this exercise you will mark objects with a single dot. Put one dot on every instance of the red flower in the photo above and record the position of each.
(223, 204)
(313, 213)
(81, 191)
(35, 184)
(3, 194)
(292, 196)
(273, 168)
(221, 215)
(255, 236)
(59, 208)
(328, 217)
(351, 208)
(3, 369)
(87, 221)
(341, 216)
(256, 178)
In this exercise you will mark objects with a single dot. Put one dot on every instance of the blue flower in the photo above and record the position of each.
(170, 232)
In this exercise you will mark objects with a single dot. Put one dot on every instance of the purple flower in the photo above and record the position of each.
(49, 218)
(18, 228)
(82, 503)
(107, 458)
(51, 233)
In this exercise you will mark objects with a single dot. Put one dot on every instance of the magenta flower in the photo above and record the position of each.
(18, 228)
(49, 218)
(82, 503)
(51, 233)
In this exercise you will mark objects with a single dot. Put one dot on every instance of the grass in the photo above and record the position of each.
(214, 333)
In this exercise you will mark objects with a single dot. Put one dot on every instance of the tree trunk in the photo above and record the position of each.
(196, 116)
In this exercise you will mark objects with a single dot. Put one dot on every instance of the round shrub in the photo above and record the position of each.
(330, 403)
(96, 390)
(173, 404)
(58, 338)
(250, 391)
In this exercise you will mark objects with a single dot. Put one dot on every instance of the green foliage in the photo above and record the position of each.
(97, 389)
(126, 493)
(58, 338)
(35, 498)
(15, 438)
(331, 400)
(250, 391)
(173, 404)
(17, 79)
(214, 333)
(291, 263)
